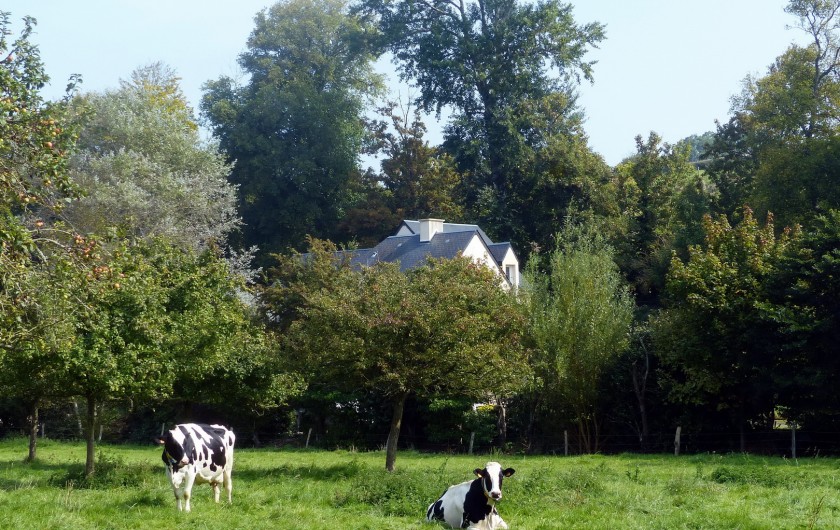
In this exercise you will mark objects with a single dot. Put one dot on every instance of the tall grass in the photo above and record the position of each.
(317, 489)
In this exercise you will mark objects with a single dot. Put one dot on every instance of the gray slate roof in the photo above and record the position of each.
(411, 252)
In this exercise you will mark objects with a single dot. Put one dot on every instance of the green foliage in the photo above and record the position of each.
(295, 129)
(447, 327)
(442, 327)
(777, 153)
(663, 197)
(580, 313)
(416, 180)
(34, 135)
(713, 338)
(508, 69)
(144, 169)
(804, 299)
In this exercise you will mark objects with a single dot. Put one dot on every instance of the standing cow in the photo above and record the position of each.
(472, 504)
(197, 453)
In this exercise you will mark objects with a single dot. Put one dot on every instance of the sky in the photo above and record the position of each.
(668, 66)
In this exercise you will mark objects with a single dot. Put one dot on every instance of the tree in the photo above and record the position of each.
(663, 197)
(295, 129)
(580, 313)
(35, 140)
(420, 180)
(778, 151)
(804, 299)
(143, 167)
(446, 328)
(716, 346)
(508, 71)
(416, 180)
(150, 314)
(38, 328)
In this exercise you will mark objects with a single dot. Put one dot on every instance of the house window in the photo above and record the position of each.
(510, 273)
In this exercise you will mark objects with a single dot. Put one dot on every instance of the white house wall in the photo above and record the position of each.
(511, 261)
(477, 251)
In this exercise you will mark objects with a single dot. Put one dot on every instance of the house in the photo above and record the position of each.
(415, 241)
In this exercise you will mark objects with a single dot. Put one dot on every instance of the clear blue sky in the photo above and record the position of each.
(669, 66)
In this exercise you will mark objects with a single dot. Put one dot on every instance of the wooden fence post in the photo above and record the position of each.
(472, 439)
(307, 437)
(793, 440)
(677, 442)
(566, 442)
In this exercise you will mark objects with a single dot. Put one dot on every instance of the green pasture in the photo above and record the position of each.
(301, 490)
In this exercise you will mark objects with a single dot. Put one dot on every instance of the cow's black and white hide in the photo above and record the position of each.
(198, 453)
(472, 504)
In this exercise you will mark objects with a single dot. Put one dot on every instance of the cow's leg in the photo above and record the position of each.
(228, 485)
(215, 491)
(188, 485)
(177, 493)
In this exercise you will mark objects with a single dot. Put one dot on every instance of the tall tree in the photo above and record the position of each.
(663, 199)
(580, 312)
(804, 298)
(503, 67)
(144, 168)
(151, 314)
(295, 129)
(36, 330)
(36, 138)
(716, 345)
(416, 180)
(778, 151)
(420, 180)
(445, 328)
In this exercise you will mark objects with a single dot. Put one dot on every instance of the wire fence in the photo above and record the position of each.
(63, 423)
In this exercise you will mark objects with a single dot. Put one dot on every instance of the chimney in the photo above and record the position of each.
(430, 227)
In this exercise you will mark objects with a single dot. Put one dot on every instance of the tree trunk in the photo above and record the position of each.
(501, 425)
(394, 433)
(640, 388)
(79, 422)
(33, 430)
(90, 436)
(532, 422)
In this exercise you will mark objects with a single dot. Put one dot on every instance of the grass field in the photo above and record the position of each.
(348, 490)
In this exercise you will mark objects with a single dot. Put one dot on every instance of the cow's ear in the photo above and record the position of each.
(160, 440)
(508, 472)
(479, 472)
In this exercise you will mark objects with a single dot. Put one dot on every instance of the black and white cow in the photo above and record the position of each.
(198, 453)
(472, 504)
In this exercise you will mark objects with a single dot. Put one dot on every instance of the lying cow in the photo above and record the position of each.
(197, 453)
(472, 504)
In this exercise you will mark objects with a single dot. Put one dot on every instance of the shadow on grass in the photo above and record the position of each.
(33, 474)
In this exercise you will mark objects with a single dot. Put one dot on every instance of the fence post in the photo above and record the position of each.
(793, 440)
(566, 442)
(677, 442)
(472, 439)
(307, 437)
(162, 428)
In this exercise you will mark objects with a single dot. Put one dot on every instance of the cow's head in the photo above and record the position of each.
(491, 479)
(174, 455)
